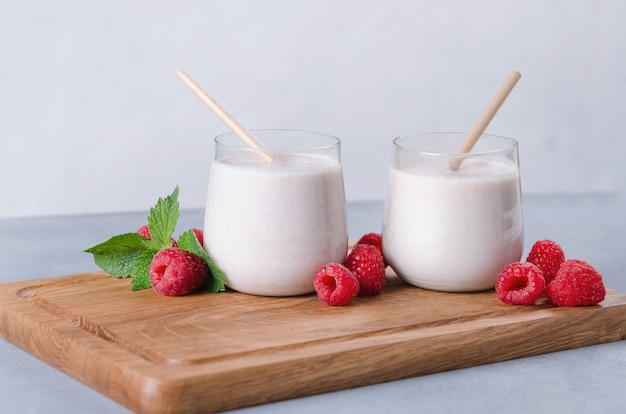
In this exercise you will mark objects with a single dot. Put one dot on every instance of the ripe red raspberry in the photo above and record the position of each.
(335, 284)
(547, 255)
(199, 235)
(374, 239)
(176, 272)
(576, 283)
(367, 264)
(520, 284)
(145, 232)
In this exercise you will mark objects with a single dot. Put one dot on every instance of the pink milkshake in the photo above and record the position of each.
(452, 230)
(270, 226)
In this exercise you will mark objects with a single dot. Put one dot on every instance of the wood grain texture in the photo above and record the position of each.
(213, 352)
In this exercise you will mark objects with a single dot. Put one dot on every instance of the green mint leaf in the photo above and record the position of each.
(118, 255)
(141, 271)
(216, 281)
(162, 220)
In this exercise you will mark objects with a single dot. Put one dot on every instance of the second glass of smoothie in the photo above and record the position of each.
(270, 225)
(453, 229)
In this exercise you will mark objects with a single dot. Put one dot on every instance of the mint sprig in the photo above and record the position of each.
(118, 255)
(141, 271)
(130, 254)
(162, 220)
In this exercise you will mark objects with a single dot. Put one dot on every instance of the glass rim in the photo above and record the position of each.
(239, 145)
(511, 143)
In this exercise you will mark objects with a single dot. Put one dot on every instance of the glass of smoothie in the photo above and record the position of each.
(270, 225)
(452, 229)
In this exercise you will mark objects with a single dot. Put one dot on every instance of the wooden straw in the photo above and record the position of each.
(486, 117)
(223, 115)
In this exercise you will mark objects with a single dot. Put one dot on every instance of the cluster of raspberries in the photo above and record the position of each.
(174, 271)
(361, 274)
(565, 282)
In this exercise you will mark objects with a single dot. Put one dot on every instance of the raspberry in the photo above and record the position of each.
(520, 284)
(199, 235)
(176, 272)
(145, 232)
(576, 283)
(547, 255)
(335, 284)
(367, 264)
(374, 239)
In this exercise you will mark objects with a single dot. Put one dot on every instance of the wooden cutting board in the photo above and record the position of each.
(212, 352)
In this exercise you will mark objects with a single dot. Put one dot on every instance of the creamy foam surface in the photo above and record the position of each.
(270, 226)
(453, 230)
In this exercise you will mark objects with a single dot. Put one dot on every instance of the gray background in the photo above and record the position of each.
(93, 118)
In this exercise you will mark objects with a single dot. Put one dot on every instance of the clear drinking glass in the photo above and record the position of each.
(270, 226)
(453, 230)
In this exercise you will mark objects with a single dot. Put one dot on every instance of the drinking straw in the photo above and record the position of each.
(486, 117)
(240, 131)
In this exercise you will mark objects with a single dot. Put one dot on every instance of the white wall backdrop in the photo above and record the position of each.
(93, 118)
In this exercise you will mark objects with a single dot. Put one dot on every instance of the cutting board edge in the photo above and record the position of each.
(153, 392)
(76, 353)
(386, 362)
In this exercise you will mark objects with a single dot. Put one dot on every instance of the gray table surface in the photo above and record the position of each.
(590, 379)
